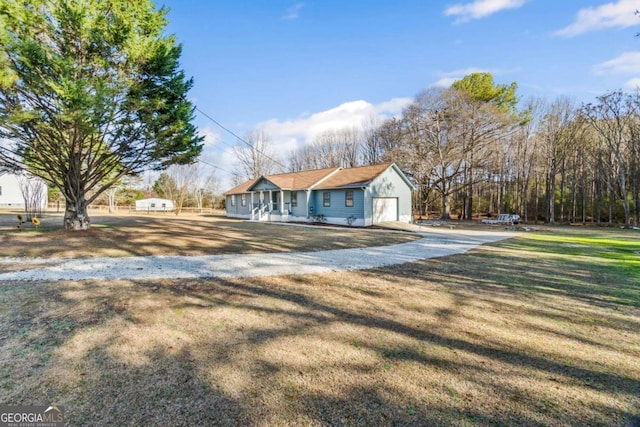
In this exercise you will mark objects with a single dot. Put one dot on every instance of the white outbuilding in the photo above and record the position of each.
(154, 205)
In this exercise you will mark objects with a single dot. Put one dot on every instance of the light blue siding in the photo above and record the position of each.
(238, 209)
(301, 208)
(338, 209)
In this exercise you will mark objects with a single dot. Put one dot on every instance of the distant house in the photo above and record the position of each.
(360, 196)
(23, 192)
(154, 205)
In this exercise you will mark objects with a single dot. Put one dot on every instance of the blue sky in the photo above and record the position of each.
(294, 69)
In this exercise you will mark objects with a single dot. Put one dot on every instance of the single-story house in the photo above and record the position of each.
(154, 205)
(23, 192)
(360, 196)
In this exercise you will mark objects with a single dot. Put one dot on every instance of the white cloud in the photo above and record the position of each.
(289, 135)
(448, 77)
(304, 129)
(293, 12)
(633, 83)
(627, 63)
(211, 137)
(620, 14)
(480, 9)
(392, 107)
(445, 81)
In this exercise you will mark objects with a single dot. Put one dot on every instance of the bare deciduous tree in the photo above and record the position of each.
(179, 181)
(613, 117)
(34, 194)
(373, 146)
(207, 190)
(256, 156)
(330, 149)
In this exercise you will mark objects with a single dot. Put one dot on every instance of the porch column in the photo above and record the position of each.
(261, 198)
(251, 207)
(281, 202)
(270, 200)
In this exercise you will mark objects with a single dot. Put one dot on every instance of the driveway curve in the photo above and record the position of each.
(435, 243)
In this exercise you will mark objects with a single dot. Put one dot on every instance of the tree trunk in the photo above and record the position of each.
(446, 207)
(551, 195)
(596, 209)
(469, 206)
(537, 203)
(75, 215)
(636, 207)
(111, 196)
(625, 200)
(563, 180)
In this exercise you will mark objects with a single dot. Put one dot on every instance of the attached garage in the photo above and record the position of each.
(385, 209)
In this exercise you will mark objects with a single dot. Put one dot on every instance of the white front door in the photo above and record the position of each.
(385, 209)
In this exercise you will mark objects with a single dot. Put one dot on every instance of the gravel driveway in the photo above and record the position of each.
(435, 243)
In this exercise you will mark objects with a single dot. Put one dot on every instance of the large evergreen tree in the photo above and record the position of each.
(91, 90)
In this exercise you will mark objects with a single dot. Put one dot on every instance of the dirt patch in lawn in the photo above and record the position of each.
(126, 235)
(484, 338)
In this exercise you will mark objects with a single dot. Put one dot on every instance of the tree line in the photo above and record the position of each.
(474, 149)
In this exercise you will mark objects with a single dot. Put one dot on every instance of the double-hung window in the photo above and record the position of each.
(348, 198)
(326, 199)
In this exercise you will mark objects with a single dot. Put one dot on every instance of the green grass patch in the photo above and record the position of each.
(602, 265)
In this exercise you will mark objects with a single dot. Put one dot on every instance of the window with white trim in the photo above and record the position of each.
(348, 198)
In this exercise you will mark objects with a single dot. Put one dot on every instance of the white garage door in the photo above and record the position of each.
(385, 209)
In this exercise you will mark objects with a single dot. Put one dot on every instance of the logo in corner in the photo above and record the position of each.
(31, 416)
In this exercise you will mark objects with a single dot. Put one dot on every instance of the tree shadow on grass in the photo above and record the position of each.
(360, 348)
(318, 313)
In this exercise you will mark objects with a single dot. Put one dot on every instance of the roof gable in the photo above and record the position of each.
(264, 183)
(354, 177)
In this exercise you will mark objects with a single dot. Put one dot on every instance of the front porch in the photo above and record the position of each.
(270, 205)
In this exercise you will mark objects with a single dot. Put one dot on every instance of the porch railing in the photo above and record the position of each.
(259, 211)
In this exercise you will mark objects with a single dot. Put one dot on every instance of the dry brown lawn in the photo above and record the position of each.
(127, 235)
(497, 336)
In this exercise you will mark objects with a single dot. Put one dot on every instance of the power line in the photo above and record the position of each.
(253, 147)
(221, 126)
(214, 166)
